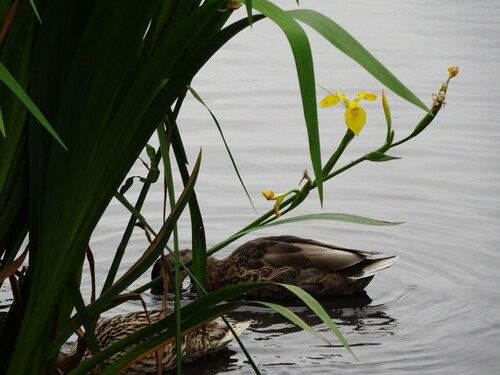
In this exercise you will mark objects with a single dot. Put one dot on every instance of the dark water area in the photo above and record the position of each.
(437, 309)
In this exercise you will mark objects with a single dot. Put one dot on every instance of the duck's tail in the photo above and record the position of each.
(238, 327)
(374, 266)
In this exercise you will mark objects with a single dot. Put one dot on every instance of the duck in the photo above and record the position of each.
(319, 268)
(203, 341)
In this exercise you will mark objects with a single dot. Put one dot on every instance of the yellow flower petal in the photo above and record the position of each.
(328, 101)
(355, 117)
(366, 96)
(269, 194)
(343, 98)
(277, 207)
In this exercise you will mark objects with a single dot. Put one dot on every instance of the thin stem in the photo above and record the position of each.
(349, 135)
(120, 251)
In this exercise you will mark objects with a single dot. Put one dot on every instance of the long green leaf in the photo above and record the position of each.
(120, 198)
(336, 217)
(301, 50)
(341, 39)
(217, 124)
(35, 10)
(314, 305)
(2, 125)
(11, 83)
(294, 318)
(322, 216)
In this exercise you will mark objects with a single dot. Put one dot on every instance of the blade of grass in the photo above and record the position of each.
(35, 10)
(321, 216)
(11, 83)
(233, 162)
(2, 125)
(294, 318)
(315, 306)
(301, 50)
(197, 229)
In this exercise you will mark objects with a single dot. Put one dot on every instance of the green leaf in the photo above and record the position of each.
(301, 50)
(341, 39)
(248, 6)
(2, 125)
(35, 10)
(233, 162)
(291, 316)
(336, 217)
(127, 185)
(11, 83)
(379, 157)
(314, 305)
(322, 216)
(150, 150)
(154, 161)
(121, 198)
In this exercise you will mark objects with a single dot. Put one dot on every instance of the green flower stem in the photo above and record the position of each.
(349, 135)
(426, 120)
(420, 126)
(120, 251)
(345, 168)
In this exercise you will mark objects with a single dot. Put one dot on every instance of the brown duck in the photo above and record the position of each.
(208, 339)
(319, 268)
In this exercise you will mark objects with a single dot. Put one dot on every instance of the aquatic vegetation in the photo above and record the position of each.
(85, 85)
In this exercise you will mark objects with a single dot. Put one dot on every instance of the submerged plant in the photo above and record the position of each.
(84, 87)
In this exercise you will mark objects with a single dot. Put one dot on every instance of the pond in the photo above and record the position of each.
(436, 311)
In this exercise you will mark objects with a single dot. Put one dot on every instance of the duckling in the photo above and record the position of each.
(319, 268)
(208, 339)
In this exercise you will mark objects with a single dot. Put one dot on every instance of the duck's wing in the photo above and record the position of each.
(299, 241)
(291, 251)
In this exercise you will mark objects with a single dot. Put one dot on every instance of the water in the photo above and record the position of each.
(436, 311)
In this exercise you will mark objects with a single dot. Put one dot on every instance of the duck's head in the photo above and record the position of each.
(184, 256)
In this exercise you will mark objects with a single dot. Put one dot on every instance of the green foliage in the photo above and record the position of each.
(84, 87)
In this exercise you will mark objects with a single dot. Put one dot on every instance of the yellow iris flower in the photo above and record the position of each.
(355, 116)
(271, 196)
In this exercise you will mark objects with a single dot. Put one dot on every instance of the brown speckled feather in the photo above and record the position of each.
(197, 344)
(317, 267)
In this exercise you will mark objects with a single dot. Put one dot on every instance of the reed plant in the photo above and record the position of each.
(85, 85)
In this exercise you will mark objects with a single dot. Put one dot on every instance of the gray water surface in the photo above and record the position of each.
(436, 311)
